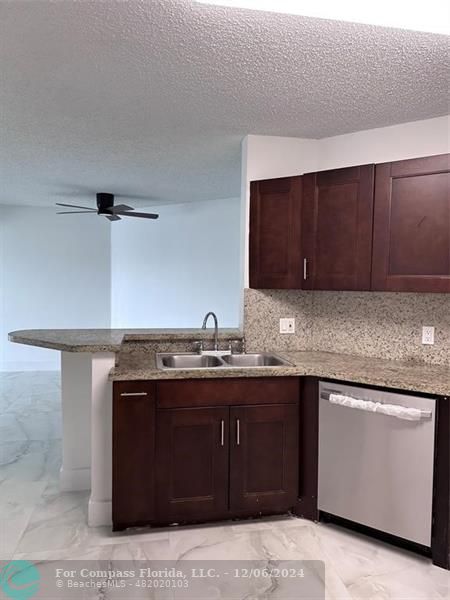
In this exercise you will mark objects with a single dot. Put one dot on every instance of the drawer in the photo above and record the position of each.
(227, 392)
(134, 389)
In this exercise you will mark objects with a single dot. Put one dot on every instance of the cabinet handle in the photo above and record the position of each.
(305, 269)
(133, 394)
(222, 432)
(238, 432)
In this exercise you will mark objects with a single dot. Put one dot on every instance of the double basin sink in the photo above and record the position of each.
(220, 361)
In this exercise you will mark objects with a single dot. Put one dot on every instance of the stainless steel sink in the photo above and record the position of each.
(188, 361)
(254, 360)
(223, 361)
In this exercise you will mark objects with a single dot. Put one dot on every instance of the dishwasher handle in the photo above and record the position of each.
(392, 410)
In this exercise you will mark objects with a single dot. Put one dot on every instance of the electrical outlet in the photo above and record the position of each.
(287, 325)
(428, 335)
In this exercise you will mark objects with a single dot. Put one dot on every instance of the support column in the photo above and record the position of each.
(100, 508)
(76, 375)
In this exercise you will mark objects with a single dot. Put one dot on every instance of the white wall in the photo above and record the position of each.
(54, 273)
(170, 272)
(409, 140)
(265, 157)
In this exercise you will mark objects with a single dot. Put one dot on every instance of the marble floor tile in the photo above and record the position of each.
(104, 536)
(103, 552)
(17, 502)
(30, 460)
(11, 429)
(58, 521)
(40, 425)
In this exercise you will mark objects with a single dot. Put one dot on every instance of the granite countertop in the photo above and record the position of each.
(110, 340)
(417, 377)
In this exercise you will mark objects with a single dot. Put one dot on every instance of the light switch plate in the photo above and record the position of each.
(428, 335)
(287, 325)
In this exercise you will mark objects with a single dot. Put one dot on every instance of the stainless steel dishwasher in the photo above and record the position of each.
(376, 459)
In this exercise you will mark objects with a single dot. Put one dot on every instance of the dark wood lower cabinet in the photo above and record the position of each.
(308, 449)
(133, 488)
(192, 463)
(264, 458)
(226, 461)
(199, 450)
(440, 533)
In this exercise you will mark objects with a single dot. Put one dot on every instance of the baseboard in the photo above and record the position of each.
(75, 480)
(99, 513)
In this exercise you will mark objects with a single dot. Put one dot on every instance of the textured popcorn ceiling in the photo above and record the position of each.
(153, 97)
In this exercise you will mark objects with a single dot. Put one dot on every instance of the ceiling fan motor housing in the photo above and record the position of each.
(104, 202)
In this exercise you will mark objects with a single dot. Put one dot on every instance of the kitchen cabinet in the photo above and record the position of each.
(383, 227)
(192, 463)
(308, 449)
(134, 418)
(263, 457)
(226, 447)
(218, 462)
(275, 229)
(411, 246)
(205, 449)
(337, 210)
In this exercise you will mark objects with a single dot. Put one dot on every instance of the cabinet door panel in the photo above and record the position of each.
(264, 458)
(192, 463)
(337, 228)
(133, 489)
(275, 249)
(412, 226)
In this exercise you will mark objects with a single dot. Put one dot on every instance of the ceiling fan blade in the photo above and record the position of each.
(113, 217)
(138, 214)
(119, 207)
(75, 212)
(75, 206)
(87, 192)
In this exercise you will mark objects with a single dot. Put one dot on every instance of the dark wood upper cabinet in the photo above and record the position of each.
(382, 227)
(264, 458)
(192, 464)
(275, 229)
(337, 215)
(411, 246)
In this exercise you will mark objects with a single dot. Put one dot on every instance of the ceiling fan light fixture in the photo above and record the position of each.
(432, 16)
(106, 208)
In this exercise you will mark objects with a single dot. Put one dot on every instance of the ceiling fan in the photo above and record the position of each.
(106, 208)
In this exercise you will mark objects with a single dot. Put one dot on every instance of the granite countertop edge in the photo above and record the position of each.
(110, 340)
(422, 377)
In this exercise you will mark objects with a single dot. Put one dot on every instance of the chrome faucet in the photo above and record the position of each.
(216, 328)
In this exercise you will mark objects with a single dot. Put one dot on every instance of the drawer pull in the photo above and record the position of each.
(238, 432)
(133, 394)
(222, 432)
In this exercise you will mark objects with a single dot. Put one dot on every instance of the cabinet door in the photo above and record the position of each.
(192, 463)
(133, 487)
(275, 249)
(264, 458)
(337, 217)
(411, 251)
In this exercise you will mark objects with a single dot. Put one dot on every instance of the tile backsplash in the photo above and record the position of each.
(379, 324)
